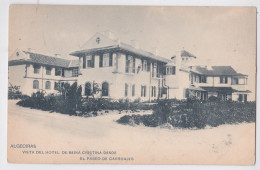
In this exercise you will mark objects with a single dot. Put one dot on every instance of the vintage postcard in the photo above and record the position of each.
(131, 85)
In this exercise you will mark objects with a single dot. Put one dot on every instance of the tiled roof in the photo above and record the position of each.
(219, 89)
(185, 53)
(52, 61)
(196, 88)
(215, 70)
(107, 43)
(142, 52)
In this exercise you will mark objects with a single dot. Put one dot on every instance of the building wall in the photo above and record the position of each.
(23, 75)
(178, 84)
(117, 78)
(213, 81)
(16, 76)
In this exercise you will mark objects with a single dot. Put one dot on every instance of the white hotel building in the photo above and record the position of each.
(125, 71)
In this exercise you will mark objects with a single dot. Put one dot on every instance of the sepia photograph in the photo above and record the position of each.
(156, 85)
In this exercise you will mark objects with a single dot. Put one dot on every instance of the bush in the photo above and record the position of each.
(68, 102)
(15, 93)
(92, 104)
(195, 114)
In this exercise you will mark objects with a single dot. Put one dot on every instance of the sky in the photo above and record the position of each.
(216, 35)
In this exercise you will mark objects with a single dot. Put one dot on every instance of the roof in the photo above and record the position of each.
(243, 91)
(196, 88)
(52, 61)
(185, 53)
(142, 52)
(219, 89)
(106, 43)
(215, 71)
(46, 60)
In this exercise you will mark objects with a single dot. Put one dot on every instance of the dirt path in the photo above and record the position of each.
(227, 144)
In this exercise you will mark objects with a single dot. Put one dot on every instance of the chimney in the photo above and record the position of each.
(178, 58)
(135, 43)
(118, 41)
(173, 58)
(209, 64)
(109, 34)
(155, 50)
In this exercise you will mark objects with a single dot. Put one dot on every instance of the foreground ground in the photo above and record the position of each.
(226, 144)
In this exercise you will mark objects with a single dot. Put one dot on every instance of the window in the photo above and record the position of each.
(240, 97)
(110, 59)
(36, 69)
(56, 86)
(173, 70)
(133, 90)
(145, 65)
(133, 70)
(106, 60)
(58, 71)
(48, 85)
(90, 61)
(223, 79)
(87, 89)
(167, 70)
(126, 89)
(163, 91)
(35, 84)
(154, 69)
(153, 91)
(84, 61)
(75, 72)
(148, 66)
(98, 40)
(235, 80)
(143, 91)
(245, 97)
(48, 70)
(203, 79)
(191, 78)
(105, 89)
(130, 64)
(160, 70)
(170, 70)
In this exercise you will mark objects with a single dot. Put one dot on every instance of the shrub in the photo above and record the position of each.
(195, 114)
(92, 104)
(15, 93)
(68, 102)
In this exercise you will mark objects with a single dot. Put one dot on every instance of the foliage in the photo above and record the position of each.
(71, 102)
(68, 102)
(195, 114)
(92, 104)
(15, 93)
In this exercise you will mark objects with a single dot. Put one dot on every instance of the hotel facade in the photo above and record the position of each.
(124, 71)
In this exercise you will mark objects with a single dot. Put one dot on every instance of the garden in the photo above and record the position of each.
(174, 113)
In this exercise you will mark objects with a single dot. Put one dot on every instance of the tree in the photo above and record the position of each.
(14, 92)
(72, 97)
(96, 89)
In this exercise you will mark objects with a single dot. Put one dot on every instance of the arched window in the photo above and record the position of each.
(87, 89)
(105, 89)
(35, 84)
(48, 85)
